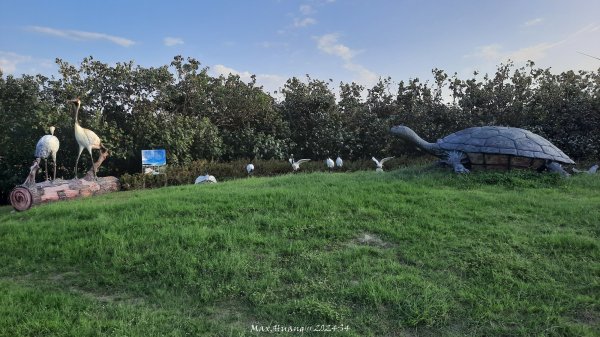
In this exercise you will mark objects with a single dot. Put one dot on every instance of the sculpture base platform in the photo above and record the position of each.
(24, 197)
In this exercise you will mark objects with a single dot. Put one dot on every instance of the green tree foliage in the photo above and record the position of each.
(365, 126)
(313, 117)
(23, 113)
(195, 116)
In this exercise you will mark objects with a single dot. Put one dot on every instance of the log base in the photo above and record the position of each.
(24, 197)
(31, 194)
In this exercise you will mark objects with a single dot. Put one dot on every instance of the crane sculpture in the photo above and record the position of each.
(47, 146)
(250, 169)
(296, 164)
(330, 164)
(379, 163)
(86, 139)
(205, 179)
(339, 162)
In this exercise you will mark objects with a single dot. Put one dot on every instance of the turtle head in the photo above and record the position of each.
(405, 133)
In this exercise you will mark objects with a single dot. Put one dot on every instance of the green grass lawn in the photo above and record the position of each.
(404, 253)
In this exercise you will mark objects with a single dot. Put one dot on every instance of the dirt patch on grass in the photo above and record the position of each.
(234, 314)
(18, 278)
(588, 318)
(369, 239)
(62, 277)
(68, 281)
(107, 297)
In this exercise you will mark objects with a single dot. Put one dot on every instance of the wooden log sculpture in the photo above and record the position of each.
(30, 181)
(31, 194)
(91, 173)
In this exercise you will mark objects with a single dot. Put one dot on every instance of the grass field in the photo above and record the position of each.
(404, 253)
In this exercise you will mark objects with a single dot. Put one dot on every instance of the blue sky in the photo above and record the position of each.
(342, 40)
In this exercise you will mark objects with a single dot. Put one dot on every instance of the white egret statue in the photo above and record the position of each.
(296, 164)
(330, 164)
(379, 163)
(47, 146)
(205, 179)
(86, 139)
(250, 169)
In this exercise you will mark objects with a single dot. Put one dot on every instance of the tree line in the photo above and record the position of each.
(181, 108)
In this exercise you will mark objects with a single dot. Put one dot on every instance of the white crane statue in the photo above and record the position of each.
(296, 164)
(339, 162)
(47, 146)
(250, 169)
(330, 164)
(205, 179)
(379, 163)
(86, 139)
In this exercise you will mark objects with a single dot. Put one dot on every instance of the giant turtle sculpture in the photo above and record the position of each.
(491, 147)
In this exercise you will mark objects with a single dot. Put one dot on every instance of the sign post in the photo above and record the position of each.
(154, 162)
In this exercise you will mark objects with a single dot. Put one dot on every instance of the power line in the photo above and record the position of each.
(597, 58)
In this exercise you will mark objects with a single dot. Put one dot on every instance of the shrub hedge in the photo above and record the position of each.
(187, 173)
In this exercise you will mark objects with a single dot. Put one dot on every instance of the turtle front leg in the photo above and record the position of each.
(454, 159)
(553, 166)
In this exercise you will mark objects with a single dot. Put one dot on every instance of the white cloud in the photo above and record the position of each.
(273, 45)
(172, 41)
(15, 64)
(495, 52)
(591, 28)
(559, 54)
(220, 69)
(329, 44)
(266, 44)
(270, 82)
(491, 52)
(304, 22)
(533, 22)
(306, 9)
(364, 75)
(82, 35)
(9, 61)
(535, 52)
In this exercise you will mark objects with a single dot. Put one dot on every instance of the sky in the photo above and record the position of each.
(342, 40)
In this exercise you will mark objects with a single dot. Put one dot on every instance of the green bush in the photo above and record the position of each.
(187, 173)
(194, 116)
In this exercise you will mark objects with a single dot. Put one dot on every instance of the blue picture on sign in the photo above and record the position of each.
(154, 157)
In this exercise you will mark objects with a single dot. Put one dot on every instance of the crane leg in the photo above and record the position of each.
(54, 161)
(92, 158)
(46, 166)
(77, 161)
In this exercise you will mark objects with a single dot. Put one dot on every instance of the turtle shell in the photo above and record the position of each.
(503, 147)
